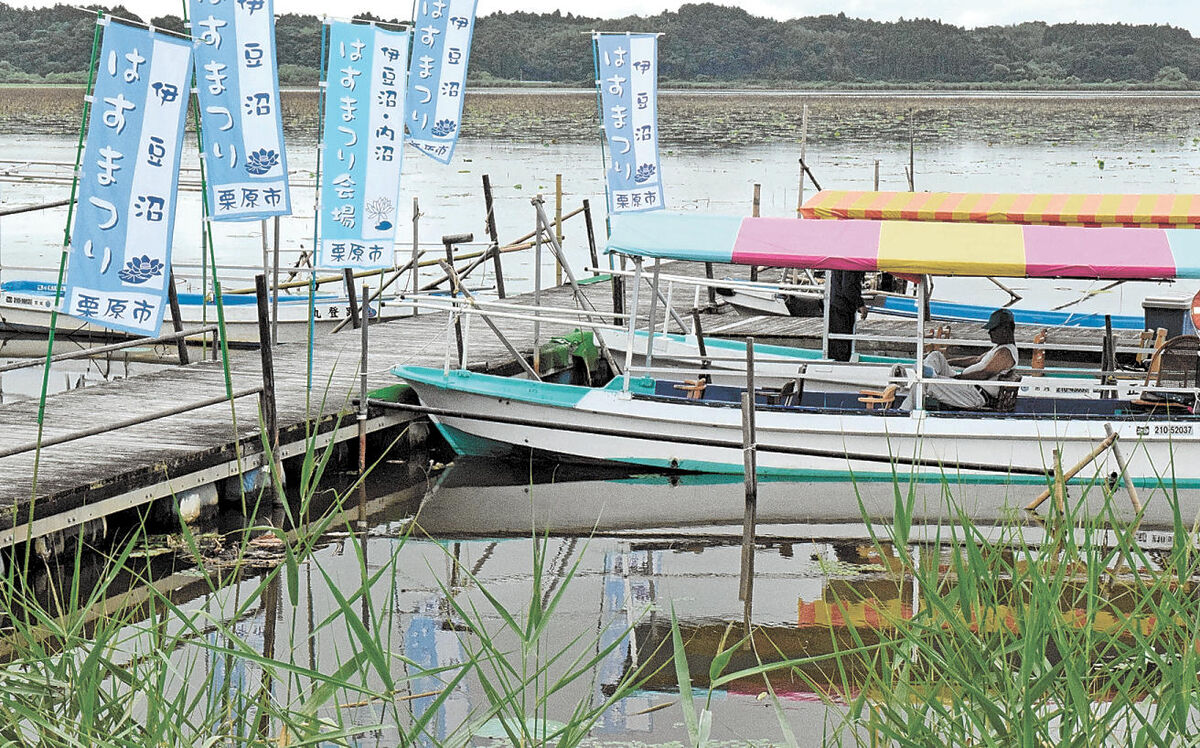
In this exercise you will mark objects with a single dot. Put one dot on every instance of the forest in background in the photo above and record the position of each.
(707, 45)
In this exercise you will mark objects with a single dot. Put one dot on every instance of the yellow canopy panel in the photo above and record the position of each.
(1135, 211)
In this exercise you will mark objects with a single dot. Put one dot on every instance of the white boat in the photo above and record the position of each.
(651, 421)
(25, 307)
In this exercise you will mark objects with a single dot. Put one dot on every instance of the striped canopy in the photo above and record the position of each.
(978, 249)
(1133, 211)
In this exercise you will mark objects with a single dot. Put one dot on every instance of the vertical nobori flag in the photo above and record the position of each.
(238, 88)
(627, 78)
(441, 51)
(363, 145)
(128, 182)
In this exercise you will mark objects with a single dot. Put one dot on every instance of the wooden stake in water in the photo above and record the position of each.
(351, 295)
(750, 459)
(558, 219)
(803, 147)
(755, 210)
(493, 234)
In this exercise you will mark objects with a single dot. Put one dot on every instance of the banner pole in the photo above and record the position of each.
(312, 276)
(62, 262)
(206, 237)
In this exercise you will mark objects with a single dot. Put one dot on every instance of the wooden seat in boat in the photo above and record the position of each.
(885, 397)
(1038, 361)
(1175, 365)
(694, 388)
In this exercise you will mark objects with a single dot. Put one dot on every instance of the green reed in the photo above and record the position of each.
(102, 666)
(1085, 638)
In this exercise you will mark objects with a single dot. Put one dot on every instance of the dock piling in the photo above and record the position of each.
(270, 414)
(493, 235)
(448, 241)
(351, 295)
(591, 235)
(177, 319)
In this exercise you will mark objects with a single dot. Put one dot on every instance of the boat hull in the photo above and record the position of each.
(30, 313)
(483, 414)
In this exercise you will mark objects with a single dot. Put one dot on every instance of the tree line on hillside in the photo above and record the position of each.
(704, 44)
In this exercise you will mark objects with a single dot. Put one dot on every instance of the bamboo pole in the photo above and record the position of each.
(1062, 478)
(1124, 467)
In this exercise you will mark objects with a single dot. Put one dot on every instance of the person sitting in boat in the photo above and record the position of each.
(990, 366)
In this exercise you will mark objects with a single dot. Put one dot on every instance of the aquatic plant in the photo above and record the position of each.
(1080, 639)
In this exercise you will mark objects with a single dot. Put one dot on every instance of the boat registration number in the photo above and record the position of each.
(27, 301)
(1160, 430)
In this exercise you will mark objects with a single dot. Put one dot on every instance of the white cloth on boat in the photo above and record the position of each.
(969, 394)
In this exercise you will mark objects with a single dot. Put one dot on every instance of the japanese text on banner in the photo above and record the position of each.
(362, 151)
(627, 77)
(238, 89)
(120, 253)
(441, 51)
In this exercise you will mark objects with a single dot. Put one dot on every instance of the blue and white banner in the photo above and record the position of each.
(238, 88)
(441, 51)
(363, 145)
(120, 253)
(627, 78)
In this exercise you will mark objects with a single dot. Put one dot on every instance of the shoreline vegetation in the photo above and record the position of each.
(706, 46)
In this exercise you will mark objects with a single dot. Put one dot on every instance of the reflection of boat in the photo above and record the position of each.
(519, 498)
(654, 422)
(25, 308)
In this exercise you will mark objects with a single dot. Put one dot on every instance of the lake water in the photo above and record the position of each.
(620, 552)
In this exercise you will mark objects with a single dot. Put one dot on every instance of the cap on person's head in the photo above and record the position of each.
(1000, 318)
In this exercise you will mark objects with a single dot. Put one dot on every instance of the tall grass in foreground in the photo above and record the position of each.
(87, 670)
(1084, 639)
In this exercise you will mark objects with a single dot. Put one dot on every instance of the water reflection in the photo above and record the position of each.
(445, 559)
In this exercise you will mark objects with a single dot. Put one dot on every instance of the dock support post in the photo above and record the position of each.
(448, 241)
(750, 517)
(362, 414)
(177, 319)
(416, 253)
(493, 234)
(618, 299)
(348, 279)
(275, 290)
(591, 236)
(270, 417)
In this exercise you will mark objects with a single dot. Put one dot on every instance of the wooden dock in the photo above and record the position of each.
(85, 481)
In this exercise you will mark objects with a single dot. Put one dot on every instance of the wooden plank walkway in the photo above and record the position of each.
(89, 478)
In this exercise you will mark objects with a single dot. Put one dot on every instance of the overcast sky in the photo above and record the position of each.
(970, 13)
